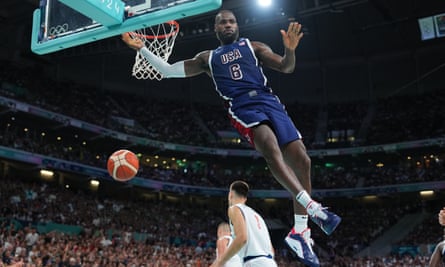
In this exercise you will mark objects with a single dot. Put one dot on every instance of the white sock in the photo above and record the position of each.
(312, 207)
(300, 222)
(304, 199)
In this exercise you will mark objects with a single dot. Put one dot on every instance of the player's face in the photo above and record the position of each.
(226, 27)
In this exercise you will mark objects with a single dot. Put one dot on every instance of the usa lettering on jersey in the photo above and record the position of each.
(231, 56)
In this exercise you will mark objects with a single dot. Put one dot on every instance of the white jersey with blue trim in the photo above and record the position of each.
(258, 238)
(236, 70)
(235, 261)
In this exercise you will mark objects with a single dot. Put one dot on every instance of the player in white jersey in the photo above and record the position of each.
(223, 242)
(251, 236)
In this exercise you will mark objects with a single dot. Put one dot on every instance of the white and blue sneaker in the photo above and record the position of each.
(325, 219)
(301, 244)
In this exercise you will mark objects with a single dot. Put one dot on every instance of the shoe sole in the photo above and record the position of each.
(307, 263)
(333, 228)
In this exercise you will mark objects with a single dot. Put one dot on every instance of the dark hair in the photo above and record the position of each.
(241, 188)
(223, 11)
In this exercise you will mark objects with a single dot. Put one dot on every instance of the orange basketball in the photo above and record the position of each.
(123, 165)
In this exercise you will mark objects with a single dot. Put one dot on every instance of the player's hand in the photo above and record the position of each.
(134, 43)
(292, 36)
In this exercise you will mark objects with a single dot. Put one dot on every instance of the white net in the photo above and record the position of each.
(159, 39)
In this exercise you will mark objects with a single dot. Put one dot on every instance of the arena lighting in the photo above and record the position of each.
(94, 183)
(380, 165)
(370, 198)
(264, 3)
(426, 193)
(46, 173)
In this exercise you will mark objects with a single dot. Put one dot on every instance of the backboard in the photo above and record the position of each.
(60, 24)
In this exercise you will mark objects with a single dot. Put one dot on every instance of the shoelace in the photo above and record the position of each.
(317, 209)
(306, 236)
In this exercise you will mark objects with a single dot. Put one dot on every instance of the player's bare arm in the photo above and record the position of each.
(198, 64)
(221, 246)
(285, 63)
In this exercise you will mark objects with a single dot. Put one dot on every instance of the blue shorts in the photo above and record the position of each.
(248, 112)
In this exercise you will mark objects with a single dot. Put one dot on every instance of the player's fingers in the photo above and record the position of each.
(126, 36)
(300, 35)
(298, 27)
(295, 29)
(290, 27)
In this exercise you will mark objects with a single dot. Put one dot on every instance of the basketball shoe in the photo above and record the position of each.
(301, 244)
(325, 219)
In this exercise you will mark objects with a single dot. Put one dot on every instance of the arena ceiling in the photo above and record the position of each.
(339, 35)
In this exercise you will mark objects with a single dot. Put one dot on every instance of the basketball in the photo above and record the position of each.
(123, 165)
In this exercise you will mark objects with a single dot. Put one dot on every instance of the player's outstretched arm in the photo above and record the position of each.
(175, 70)
(286, 63)
(180, 69)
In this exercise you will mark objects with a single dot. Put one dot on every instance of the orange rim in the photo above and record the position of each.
(173, 23)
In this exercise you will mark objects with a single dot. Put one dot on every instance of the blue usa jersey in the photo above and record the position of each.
(236, 71)
(239, 79)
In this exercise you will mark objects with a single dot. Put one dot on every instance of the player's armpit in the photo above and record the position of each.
(198, 64)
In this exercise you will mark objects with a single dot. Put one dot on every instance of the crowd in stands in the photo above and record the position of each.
(396, 119)
(429, 231)
(127, 231)
(173, 235)
(344, 122)
(177, 235)
(406, 118)
(216, 174)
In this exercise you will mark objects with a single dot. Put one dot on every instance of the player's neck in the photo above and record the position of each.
(238, 201)
(223, 44)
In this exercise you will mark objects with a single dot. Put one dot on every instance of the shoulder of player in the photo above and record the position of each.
(203, 55)
(234, 210)
(259, 45)
(203, 58)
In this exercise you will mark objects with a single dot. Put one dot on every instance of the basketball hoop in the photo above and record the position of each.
(159, 39)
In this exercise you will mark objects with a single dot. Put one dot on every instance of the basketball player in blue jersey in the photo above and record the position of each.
(251, 237)
(258, 115)
(225, 239)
